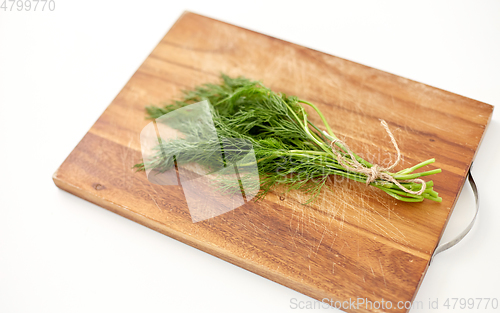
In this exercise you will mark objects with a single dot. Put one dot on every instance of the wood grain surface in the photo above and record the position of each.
(354, 241)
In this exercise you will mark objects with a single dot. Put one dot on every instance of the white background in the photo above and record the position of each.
(58, 72)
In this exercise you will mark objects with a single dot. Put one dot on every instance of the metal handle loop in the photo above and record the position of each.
(457, 239)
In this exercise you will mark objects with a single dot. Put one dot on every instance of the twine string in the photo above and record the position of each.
(376, 171)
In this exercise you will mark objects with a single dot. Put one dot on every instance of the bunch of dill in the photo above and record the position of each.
(289, 149)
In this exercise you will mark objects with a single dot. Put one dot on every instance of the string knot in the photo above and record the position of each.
(374, 174)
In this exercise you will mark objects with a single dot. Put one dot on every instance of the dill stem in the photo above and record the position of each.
(416, 167)
(310, 152)
(304, 127)
(416, 175)
(330, 132)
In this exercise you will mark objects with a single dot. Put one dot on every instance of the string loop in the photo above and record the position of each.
(376, 171)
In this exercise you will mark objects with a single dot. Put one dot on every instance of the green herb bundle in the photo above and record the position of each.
(289, 149)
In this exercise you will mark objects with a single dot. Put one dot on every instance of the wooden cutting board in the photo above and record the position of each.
(354, 241)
